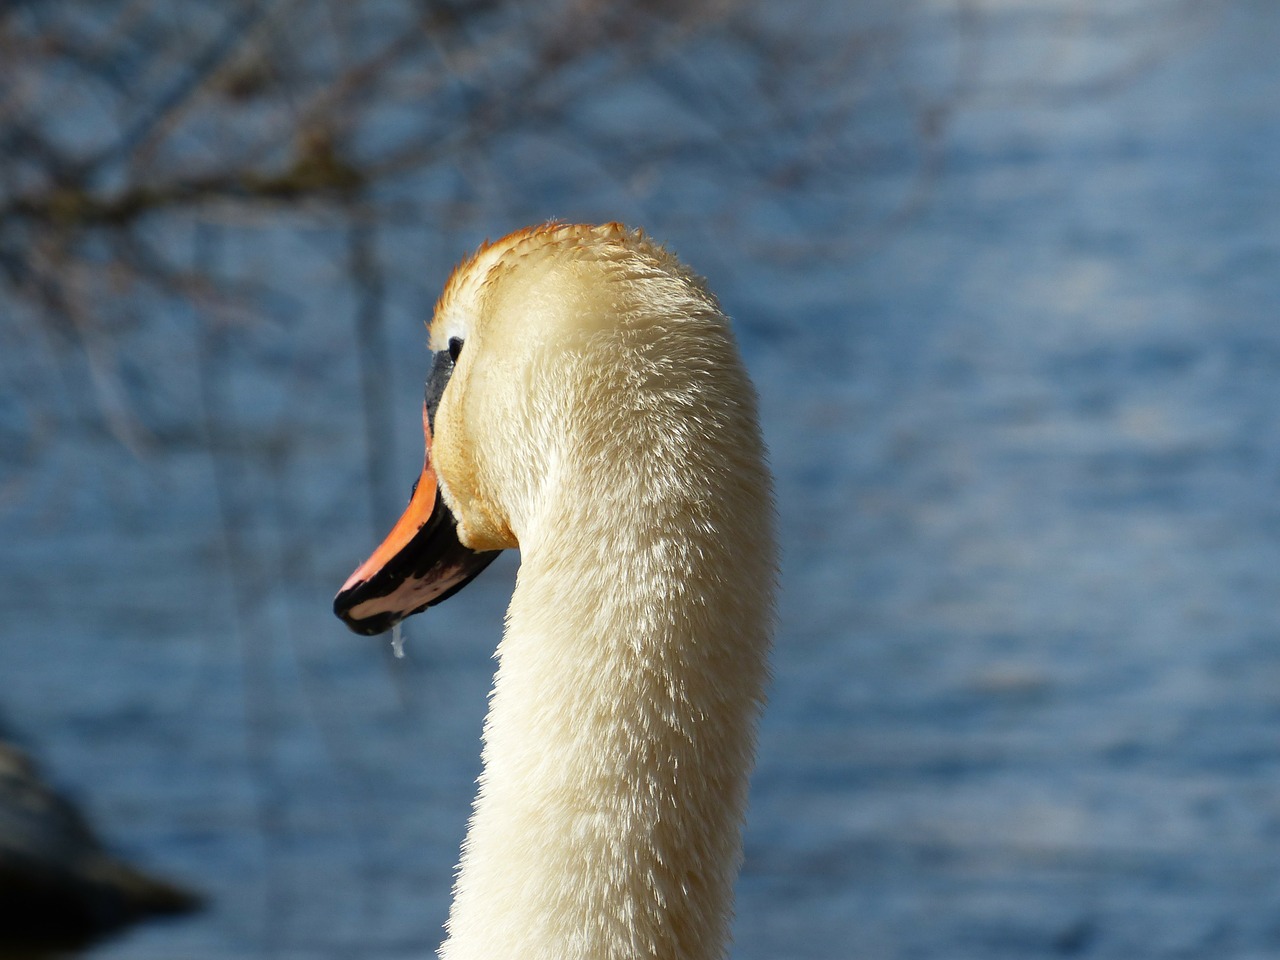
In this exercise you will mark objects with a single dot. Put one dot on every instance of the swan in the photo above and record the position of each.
(587, 404)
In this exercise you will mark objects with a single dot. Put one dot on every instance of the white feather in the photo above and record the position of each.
(601, 420)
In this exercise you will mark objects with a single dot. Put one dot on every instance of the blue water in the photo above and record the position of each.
(1015, 331)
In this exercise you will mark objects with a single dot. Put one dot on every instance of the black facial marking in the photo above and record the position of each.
(437, 380)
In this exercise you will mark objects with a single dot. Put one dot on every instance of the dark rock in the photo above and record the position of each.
(59, 886)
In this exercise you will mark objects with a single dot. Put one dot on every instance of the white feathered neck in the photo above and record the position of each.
(620, 732)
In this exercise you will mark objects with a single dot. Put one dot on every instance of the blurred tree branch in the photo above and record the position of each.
(127, 124)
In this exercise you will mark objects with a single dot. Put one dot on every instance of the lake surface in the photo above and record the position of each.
(1023, 409)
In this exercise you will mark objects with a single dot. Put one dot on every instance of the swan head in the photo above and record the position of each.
(551, 348)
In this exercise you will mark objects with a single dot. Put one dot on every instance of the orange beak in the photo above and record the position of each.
(419, 564)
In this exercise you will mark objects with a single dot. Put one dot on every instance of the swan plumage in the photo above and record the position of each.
(587, 404)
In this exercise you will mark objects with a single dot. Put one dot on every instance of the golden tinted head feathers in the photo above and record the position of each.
(477, 275)
(560, 323)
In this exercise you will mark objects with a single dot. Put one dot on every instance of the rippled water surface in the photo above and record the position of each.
(1027, 694)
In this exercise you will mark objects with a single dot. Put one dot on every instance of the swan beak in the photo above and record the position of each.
(419, 564)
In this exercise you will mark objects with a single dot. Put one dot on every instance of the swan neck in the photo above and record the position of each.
(621, 729)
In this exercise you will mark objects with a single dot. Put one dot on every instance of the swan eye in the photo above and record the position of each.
(455, 348)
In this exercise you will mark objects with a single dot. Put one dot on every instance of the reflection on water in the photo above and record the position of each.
(1027, 685)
